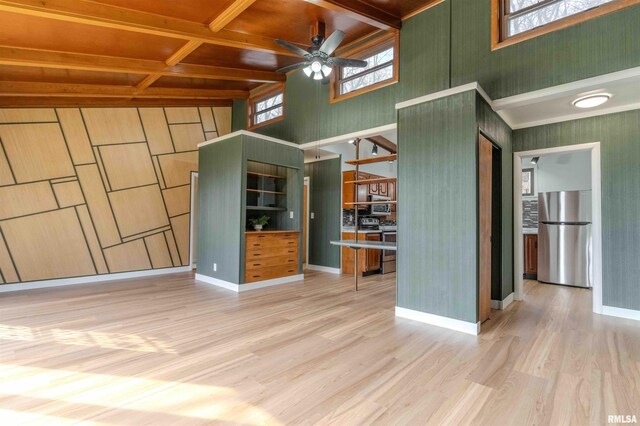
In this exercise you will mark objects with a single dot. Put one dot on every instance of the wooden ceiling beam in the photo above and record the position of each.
(229, 14)
(362, 12)
(32, 89)
(85, 62)
(384, 143)
(34, 102)
(107, 16)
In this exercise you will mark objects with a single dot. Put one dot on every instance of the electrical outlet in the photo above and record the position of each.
(215, 267)
(313, 215)
(290, 215)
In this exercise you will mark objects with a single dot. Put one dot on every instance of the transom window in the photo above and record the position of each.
(522, 19)
(266, 107)
(381, 55)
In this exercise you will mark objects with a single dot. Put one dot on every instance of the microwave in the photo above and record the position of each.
(379, 208)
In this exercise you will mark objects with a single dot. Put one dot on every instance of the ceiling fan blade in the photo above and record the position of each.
(331, 44)
(293, 67)
(292, 47)
(351, 63)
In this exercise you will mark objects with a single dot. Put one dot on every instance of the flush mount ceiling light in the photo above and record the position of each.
(591, 101)
(535, 160)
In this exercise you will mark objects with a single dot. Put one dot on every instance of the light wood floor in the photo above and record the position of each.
(171, 351)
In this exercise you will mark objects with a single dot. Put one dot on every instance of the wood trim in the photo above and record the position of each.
(370, 160)
(148, 81)
(360, 51)
(369, 181)
(363, 12)
(496, 15)
(22, 88)
(421, 9)
(183, 52)
(267, 92)
(85, 62)
(106, 16)
(229, 14)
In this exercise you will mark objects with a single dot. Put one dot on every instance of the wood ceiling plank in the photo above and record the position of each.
(362, 12)
(81, 101)
(20, 88)
(229, 14)
(80, 61)
(102, 15)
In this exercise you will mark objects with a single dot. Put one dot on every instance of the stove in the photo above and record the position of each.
(368, 223)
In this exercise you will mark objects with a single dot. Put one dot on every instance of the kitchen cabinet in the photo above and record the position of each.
(531, 256)
(348, 190)
(368, 259)
(391, 193)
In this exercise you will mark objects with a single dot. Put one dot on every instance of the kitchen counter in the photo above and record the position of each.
(361, 231)
(271, 232)
(529, 231)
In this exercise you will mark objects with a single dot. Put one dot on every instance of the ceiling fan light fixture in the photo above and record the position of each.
(316, 66)
(307, 71)
(318, 76)
(591, 101)
(326, 70)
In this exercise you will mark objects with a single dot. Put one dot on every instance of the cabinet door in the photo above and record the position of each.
(391, 193)
(363, 196)
(373, 256)
(374, 189)
(530, 254)
(348, 189)
(383, 189)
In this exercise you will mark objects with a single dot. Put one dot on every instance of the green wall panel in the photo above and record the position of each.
(496, 130)
(619, 135)
(437, 214)
(325, 193)
(239, 115)
(220, 224)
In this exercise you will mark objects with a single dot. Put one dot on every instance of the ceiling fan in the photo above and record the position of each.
(318, 60)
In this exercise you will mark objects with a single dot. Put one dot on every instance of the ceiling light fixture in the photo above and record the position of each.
(374, 151)
(535, 160)
(591, 101)
(352, 141)
(307, 71)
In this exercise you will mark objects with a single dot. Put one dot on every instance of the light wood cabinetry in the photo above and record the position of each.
(271, 255)
(531, 256)
(368, 259)
(386, 187)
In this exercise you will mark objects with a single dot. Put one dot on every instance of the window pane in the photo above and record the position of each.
(268, 103)
(552, 12)
(516, 5)
(269, 115)
(526, 183)
(372, 62)
(368, 79)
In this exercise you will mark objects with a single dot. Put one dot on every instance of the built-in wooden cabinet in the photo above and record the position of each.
(384, 189)
(530, 256)
(270, 255)
(368, 259)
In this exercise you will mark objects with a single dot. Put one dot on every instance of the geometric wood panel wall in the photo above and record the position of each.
(92, 191)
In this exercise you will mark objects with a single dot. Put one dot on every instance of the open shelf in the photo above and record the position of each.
(266, 175)
(268, 209)
(376, 180)
(371, 160)
(366, 203)
(266, 192)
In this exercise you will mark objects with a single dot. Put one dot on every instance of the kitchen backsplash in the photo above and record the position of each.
(530, 214)
(348, 217)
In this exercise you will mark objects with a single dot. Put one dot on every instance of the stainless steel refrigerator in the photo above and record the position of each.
(564, 238)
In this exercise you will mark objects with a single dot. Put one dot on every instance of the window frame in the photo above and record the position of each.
(259, 96)
(532, 174)
(499, 21)
(368, 48)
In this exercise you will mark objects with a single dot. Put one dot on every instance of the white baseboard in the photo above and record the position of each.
(239, 288)
(324, 269)
(437, 320)
(91, 279)
(621, 313)
(502, 304)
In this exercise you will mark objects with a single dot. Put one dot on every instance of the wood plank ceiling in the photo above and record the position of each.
(118, 52)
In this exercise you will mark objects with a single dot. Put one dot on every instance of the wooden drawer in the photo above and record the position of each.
(262, 253)
(257, 236)
(272, 261)
(256, 243)
(270, 273)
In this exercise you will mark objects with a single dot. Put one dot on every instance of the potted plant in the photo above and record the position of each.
(259, 222)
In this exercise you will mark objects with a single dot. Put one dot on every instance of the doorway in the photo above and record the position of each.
(596, 226)
(305, 223)
(490, 224)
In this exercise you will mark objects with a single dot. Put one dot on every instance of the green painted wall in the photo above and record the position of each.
(437, 221)
(325, 188)
(239, 115)
(220, 191)
(222, 200)
(496, 130)
(619, 135)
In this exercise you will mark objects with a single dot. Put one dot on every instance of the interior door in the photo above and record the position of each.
(194, 221)
(485, 208)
